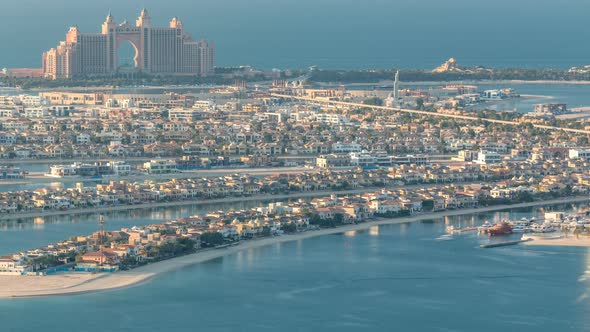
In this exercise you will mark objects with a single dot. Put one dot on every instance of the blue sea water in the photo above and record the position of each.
(387, 278)
(328, 33)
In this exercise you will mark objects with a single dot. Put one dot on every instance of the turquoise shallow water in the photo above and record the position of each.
(573, 95)
(396, 277)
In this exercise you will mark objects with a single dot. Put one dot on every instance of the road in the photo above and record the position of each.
(434, 114)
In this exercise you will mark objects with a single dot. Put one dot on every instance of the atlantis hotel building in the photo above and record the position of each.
(163, 51)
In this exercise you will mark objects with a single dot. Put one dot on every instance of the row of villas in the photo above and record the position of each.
(272, 219)
(544, 174)
(94, 169)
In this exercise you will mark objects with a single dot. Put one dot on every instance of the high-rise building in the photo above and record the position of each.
(396, 87)
(393, 98)
(158, 50)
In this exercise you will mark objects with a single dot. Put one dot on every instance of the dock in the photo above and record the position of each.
(462, 230)
(503, 244)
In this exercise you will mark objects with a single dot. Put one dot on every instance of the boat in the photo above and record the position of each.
(543, 228)
(501, 228)
(547, 228)
(519, 228)
(484, 228)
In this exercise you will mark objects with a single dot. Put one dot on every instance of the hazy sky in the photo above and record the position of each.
(330, 33)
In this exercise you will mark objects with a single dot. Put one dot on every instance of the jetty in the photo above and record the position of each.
(504, 244)
(452, 229)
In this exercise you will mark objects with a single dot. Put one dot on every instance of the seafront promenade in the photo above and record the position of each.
(68, 284)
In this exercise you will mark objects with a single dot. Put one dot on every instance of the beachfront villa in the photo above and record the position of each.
(11, 266)
(98, 261)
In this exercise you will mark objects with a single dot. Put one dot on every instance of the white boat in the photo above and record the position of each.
(522, 225)
(519, 228)
(483, 228)
(544, 228)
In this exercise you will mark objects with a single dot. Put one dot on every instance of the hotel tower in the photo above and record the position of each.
(165, 51)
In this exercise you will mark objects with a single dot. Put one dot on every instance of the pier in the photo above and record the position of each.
(503, 244)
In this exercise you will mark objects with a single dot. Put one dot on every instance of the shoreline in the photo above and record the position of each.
(71, 284)
(560, 241)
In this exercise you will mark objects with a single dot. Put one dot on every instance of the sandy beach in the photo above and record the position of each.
(68, 284)
(560, 240)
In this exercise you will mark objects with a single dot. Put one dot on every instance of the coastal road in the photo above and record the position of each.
(433, 114)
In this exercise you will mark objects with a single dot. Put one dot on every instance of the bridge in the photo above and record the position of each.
(434, 114)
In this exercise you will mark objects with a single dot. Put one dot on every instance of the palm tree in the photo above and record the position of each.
(577, 233)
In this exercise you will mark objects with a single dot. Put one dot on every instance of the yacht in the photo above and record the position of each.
(485, 227)
(501, 228)
(522, 225)
(519, 228)
(544, 228)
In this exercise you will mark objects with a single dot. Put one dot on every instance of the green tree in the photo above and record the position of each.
(373, 101)
(289, 228)
(428, 205)
(211, 239)
(420, 103)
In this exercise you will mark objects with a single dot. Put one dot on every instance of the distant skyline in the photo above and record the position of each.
(329, 33)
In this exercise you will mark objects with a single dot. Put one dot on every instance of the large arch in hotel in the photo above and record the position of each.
(137, 34)
(128, 33)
